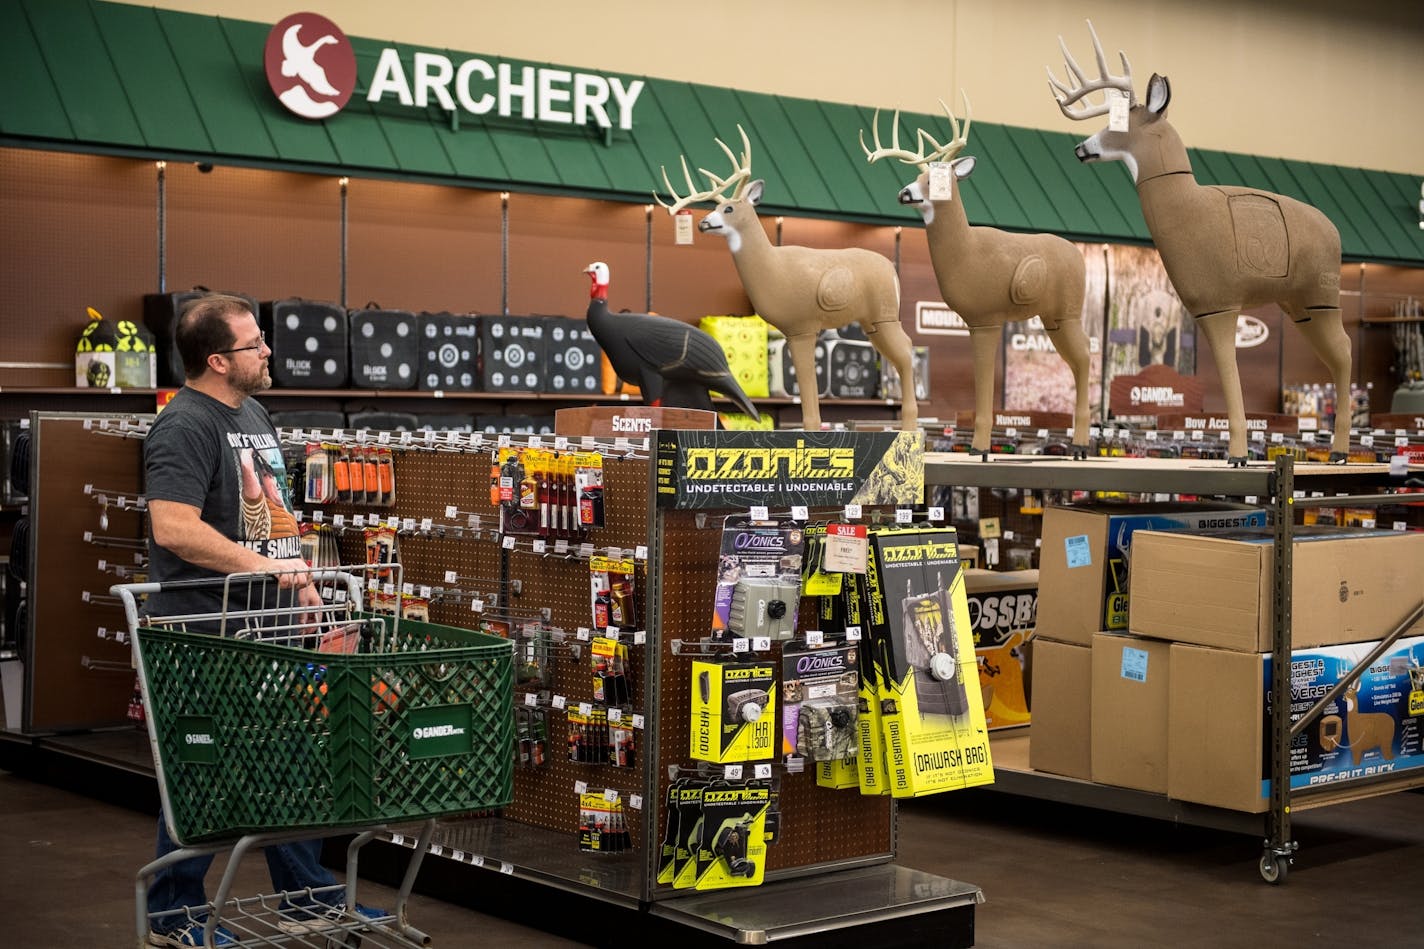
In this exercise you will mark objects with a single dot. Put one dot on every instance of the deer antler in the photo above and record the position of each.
(940, 152)
(741, 172)
(1066, 95)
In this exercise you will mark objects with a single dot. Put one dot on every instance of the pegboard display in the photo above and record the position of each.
(818, 826)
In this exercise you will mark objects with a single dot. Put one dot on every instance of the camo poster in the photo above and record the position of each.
(730, 469)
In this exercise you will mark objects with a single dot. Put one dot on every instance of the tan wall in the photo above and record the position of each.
(1315, 80)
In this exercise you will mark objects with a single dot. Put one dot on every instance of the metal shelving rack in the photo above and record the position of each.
(1284, 487)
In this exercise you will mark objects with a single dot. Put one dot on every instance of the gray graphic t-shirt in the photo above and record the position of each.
(226, 462)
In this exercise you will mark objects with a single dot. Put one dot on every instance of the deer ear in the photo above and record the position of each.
(1159, 93)
(753, 195)
(963, 167)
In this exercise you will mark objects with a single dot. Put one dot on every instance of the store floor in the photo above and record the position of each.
(1052, 875)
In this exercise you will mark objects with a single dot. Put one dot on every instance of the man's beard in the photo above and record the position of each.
(259, 380)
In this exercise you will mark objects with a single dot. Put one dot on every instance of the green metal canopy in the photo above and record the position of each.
(94, 76)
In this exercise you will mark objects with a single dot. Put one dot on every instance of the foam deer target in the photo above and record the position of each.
(992, 277)
(1224, 248)
(802, 290)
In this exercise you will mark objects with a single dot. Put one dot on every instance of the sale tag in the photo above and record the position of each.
(846, 548)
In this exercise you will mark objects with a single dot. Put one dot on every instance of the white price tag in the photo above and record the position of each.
(1367, 441)
(458, 856)
(1401, 525)
(358, 520)
(560, 701)
(1150, 435)
(476, 860)
(506, 868)
(640, 637)
(610, 795)
(436, 850)
(740, 644)
(814, 637)
(398, 840)
(732, 772)
(426, 525)
(640, 552)
(582, 634)
(761, 643)
(540, 547)
(936, 514)
(761, 770)
(535, 441)
(425, 592)
(1307, 423)
(1249, 499)
(1256, 436)
(318, 517)
(682, 228)
(388, 588)
(384, 438)
(615, 714)
(904, 515)
(1401, 441)
(503, 441)
(1197, 434)
(508, 542)
(1223, 436)
(1277, 438)
(561, 546)
(621, 443)
(531, 698)
(637, 720)
(1043, 433)
(799, 512)
(635, 801)
(407, 589)
(852, 512)
(338, 520)
(759, 512)
(1117, 110)
(852, 634)
(1308, 438)
(585, 709)
(561, 442)
(477, 606)
(1179, 436)
(941, 181)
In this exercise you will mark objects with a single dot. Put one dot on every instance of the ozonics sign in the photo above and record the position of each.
(310, 68)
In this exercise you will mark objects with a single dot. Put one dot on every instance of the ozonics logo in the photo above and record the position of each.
(310, 65)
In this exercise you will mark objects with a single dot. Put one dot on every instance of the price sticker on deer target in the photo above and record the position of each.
(682, 227)
(1117, 110)
(941, 181)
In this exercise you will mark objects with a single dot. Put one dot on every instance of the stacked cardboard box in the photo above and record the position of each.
(1084, 572)
(1210, 597)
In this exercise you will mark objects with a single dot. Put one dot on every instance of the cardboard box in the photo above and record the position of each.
(1083, 562)
(1219, 720)
(1348, 586)
(1002, 607)
(1131, 679)
(1062, 705)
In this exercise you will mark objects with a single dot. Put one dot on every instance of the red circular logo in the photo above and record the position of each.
(310, 65)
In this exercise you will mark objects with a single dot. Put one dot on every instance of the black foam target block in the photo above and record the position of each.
(308, 340)
(449, 349)
(512, 352)
(572, 357)
(385, 349)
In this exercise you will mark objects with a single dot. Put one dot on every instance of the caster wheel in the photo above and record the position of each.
(1274, 868)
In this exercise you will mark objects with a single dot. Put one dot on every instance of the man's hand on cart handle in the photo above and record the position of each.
(293, 574)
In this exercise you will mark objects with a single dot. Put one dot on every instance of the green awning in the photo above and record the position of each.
(95, 76)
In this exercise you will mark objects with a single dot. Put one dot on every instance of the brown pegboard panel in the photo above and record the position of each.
(75, 231)
(818, 825)
(78, 680)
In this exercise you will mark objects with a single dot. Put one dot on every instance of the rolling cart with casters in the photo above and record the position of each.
(270, 723)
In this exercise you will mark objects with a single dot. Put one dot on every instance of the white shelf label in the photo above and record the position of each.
(759, 512)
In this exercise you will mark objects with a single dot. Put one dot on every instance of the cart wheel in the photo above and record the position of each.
(344, 941)
(1274, 868)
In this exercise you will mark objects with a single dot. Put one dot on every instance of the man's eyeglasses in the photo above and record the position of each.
(261, 341)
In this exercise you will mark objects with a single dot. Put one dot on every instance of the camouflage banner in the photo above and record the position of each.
(722, 469)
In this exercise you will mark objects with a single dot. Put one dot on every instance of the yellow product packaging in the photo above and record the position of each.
(733, 711)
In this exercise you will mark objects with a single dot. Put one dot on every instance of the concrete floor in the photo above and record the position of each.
(1053, 875)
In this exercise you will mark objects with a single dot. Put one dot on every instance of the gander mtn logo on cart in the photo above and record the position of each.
(441, 730)
(311, 68)
(198, 739)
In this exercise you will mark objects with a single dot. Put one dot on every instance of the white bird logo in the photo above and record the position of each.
(300, 61)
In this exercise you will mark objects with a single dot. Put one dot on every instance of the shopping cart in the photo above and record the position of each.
(271, 722)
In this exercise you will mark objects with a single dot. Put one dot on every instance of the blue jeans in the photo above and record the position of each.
(293, 866)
